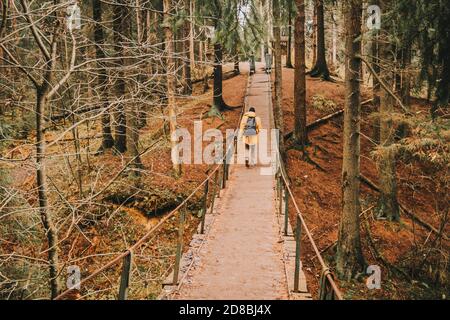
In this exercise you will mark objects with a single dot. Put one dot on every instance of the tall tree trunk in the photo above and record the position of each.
(171, 84)
(219, 104)
(278, 111)
(187, 73)
(236, 44)
(133, 123)
(406, 76)
(314, 34)
(133, 138)
(191, 33)
(41, 178)
(300, 132)
(349, 259)
(4, 28)
(320, 68)
(237, 70)
(121, 30)
(405, 87)
(289, 47)
(388, 205)
(334, 53)
(263, 47)
(99, 39)
(376, 85)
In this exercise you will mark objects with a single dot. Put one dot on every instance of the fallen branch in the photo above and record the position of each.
(97, 136)
(424, 224)
(385, 87)
(226, 76)
(323, 120)
(361, 215)
(379, 256)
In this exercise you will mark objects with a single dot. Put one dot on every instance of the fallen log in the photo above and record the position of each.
(226, 76)
(411, 215)
(323, 120)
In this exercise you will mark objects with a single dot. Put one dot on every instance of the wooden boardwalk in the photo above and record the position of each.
(243, 255)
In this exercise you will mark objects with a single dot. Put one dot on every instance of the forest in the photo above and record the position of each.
(95, 202)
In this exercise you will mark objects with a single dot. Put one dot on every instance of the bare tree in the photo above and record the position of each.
(99, 40)
(121, 28)
(171, 106)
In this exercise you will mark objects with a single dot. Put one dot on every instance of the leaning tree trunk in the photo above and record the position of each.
(443, 87)
(171, 84)
(387, 204)
(320, 69)
(289, 46)
(300, 132)
(121, 30)
(99, 39)
(278, 111)
(349, 258)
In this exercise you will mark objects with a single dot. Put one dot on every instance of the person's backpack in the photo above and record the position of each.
(250, 127)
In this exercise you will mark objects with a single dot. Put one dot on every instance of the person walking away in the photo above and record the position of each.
(248, 131)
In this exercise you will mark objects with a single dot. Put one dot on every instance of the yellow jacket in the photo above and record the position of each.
(251, 140)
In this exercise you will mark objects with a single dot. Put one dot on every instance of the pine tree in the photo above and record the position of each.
(320, 68)
(300, 130)
(349, 258)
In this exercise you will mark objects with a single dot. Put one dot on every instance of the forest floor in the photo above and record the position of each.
(98, 229)
(318, 194)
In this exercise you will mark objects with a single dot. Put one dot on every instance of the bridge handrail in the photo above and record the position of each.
(326, 279)
(126, 255)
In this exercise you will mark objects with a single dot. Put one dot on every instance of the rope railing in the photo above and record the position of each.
(126, 256)
(328, 289)
(217, 177)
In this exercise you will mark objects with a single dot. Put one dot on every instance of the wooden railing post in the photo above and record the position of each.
(179, 253)
(205, 207)
(298, 235)
(224, 173)
(277, 178)
(280, 203)
(286, 211)
(216, 177)
(125, 276)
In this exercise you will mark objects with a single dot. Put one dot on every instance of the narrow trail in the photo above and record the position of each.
(242, 256)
